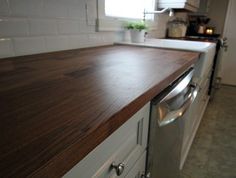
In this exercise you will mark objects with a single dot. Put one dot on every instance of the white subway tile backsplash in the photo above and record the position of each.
(35, 8)
(19, 8)
(56, 43)
(42, 27)
(91, 28)
(91, 12)
(55, 9)
(6, 49)
(27, 8)
(95, 39)
(75, 13)
(108, 37)
(77, 41)
(68, 27)
(4, 7)
(36, 26)
(76, 10)
(83, 27)
(75, 2)
(13, 27)
(29, 45)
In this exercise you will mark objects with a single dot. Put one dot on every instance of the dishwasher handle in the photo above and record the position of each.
(173, 115)
(180, 87)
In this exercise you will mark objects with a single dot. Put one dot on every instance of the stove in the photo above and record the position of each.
(221, 44)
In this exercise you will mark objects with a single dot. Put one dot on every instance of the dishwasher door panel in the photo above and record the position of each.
(165, 148)
(167, 128)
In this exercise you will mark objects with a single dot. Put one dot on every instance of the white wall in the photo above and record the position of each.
(217, 13)
(38, 26)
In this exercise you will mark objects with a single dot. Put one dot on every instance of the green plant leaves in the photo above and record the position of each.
(136, 25)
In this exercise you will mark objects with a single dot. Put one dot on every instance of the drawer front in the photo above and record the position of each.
(138, 170)
(125, 146)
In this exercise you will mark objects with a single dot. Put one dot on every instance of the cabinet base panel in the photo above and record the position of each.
(185, 154)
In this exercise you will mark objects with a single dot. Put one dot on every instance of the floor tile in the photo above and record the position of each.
(213, 152)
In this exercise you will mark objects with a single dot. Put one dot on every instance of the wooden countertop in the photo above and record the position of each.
(57, 107)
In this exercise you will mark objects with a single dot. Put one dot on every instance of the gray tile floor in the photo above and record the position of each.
(213, 152)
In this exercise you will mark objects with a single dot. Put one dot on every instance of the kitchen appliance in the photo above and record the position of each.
(197, 24)
(215, 81)
(168, 110)
(209, 30)
(199, 31)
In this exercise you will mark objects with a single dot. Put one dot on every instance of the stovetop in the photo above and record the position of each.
(198, 38)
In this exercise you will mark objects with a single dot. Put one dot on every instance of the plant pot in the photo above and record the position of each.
(137, 36)
(126, 36)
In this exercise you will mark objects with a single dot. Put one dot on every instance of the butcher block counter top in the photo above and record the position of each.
(57, 107)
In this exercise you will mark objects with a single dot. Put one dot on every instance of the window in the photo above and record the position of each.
(112, 14)
(132, 9)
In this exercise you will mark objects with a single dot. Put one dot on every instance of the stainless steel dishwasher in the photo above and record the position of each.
(166, 127)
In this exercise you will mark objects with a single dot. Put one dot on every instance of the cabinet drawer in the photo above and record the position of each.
(125, 146)
(139, 168)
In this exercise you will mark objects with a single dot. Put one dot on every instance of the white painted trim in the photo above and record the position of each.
(222, 54)
(227, 18)
(192, 136)
(226, 59)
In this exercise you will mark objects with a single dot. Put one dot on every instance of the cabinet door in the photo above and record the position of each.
(191, 123)
(194, 3)
(138, 169)
(124, 146)
(190, 5)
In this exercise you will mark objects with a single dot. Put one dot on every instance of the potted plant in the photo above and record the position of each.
(137, 31)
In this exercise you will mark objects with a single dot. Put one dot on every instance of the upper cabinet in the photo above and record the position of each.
(204, 7)
(189, 5)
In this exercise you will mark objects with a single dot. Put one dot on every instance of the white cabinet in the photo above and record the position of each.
(138, 170)
(192, 123)
(126, 146)
(190, 5)
(203, 70)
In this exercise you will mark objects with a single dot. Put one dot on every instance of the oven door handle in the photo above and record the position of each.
(173, 115)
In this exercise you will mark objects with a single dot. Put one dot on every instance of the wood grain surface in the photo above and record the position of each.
(56, 107)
